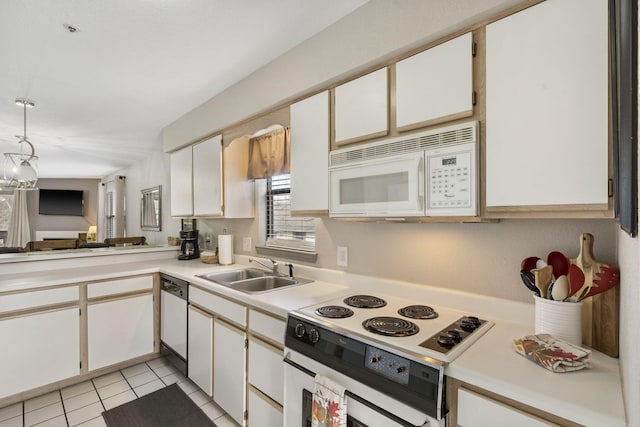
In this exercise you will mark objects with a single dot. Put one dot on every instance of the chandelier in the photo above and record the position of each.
(20, 169)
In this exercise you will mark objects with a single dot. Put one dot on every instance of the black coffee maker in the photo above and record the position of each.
(189, 248)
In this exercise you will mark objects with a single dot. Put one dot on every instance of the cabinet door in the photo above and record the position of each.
(39, 349)
(547, 106)
(263, 413)
(119, 330)
(266, 370)
(238, 190)
(310, 154)
(229, 369)
(362, 108)
(435, 83)
(181, 183)
(200, 360)
(475, 410)
(173, 322)
(207, 177)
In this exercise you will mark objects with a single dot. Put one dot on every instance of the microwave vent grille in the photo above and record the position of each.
(443, 137)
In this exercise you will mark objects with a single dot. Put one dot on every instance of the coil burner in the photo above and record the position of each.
(365, 301)
(334, 311)
(418, 312)
(391, 326)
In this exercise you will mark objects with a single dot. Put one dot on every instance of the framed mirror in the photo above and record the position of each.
(151, 209)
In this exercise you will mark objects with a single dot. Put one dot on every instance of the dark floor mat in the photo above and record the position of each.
(167, 407)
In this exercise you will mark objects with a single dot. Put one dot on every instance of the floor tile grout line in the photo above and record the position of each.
(64, 410)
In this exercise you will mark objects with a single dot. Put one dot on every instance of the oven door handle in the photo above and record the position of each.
(299, 367)
(355, 397)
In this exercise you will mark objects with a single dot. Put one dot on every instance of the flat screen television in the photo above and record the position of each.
(61, 202)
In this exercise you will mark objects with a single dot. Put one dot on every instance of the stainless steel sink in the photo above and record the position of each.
(226, 277)
(253, 280)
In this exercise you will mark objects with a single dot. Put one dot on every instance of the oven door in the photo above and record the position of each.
(392, 186)
(299, 374)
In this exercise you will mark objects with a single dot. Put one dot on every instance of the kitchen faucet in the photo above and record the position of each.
(273, 267)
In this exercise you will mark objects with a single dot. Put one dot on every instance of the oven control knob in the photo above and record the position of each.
(375, 359)
(401, 369)
(299, 330)
(446, 341)
(454, 335)
(468, 326)
(314, 335)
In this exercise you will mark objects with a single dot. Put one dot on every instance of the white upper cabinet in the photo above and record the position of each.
(310, 154)
(207, 173)
(436, 83)
(547, 106)
(238, 191)
(362, 108)
(208, 180)
(181, 168)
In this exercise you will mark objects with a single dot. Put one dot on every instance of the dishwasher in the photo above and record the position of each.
(174, 297)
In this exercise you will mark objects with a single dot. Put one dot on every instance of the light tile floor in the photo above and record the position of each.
(82, 404)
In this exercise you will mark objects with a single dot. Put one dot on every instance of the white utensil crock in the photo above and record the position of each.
(561, 319)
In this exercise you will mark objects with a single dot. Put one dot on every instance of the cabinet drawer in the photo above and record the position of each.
(34, 299)
(266, 369)
(475, 410)
(119, 286)
(218, 305)
(263, 413)
(267, 326)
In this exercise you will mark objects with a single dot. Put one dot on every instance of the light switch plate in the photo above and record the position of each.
(246, 244)
(343, 256)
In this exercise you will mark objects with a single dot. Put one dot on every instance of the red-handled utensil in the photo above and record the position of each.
(605, 278)
(529, 263)
(559, 262)
(576, 279)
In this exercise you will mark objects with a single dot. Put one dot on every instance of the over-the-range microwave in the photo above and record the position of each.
(431, 173)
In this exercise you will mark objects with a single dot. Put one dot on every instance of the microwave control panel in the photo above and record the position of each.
(452, 181)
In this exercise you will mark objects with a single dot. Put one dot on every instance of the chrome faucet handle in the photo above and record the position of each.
(273, 267)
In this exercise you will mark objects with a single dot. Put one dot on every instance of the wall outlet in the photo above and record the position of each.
(246, 244)
(343, 256)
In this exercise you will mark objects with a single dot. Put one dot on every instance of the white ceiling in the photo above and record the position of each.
(104, 93)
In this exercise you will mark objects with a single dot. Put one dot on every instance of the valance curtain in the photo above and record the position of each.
(269, 154)
(19, 234)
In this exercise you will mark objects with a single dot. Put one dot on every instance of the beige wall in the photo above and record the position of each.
(147, 173)
(629, 261)
(374, 33)
(64, 222)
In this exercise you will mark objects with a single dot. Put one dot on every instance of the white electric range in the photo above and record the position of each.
(388, 352)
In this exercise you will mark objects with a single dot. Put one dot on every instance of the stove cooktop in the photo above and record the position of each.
(410, 327)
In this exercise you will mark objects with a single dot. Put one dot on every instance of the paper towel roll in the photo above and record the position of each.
(225, 249)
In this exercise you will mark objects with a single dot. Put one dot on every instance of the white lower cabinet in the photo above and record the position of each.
(263, 413)
(229, 369)
(266, 369)
(475, 410)
(119, 330)
(39, 349)
(200, 349)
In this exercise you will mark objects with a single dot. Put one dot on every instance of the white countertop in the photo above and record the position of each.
(590, 397)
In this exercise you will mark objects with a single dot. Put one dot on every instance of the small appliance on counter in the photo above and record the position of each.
(189, 248)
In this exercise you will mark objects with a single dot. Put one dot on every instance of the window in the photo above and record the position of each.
(110, 216)
(6, 206)
(283, 230)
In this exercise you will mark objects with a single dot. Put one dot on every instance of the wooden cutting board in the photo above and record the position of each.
(600, 313)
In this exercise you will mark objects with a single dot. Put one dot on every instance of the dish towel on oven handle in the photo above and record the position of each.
(329, 408)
